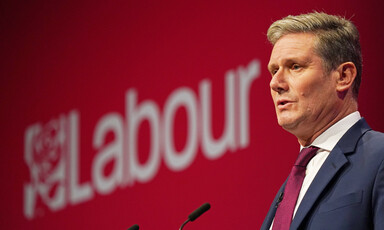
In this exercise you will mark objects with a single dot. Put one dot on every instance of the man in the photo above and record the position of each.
(316, 68)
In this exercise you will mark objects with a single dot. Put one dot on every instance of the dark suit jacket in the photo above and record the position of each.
(348, 191)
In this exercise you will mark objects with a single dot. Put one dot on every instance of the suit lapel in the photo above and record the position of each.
(335, 161)
(272, 210)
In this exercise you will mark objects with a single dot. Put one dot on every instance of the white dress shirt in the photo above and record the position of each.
(325, 142)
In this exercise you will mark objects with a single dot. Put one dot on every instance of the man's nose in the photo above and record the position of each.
(278, 82)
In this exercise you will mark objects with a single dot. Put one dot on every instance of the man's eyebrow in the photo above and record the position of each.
(302, 60)
(271, 66)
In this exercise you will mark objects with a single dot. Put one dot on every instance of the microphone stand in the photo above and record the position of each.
(182, 226)
(193, 216)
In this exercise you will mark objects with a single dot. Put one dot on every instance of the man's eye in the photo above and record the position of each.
(274, 71)
(295, 67)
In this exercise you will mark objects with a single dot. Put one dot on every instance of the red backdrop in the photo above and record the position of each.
(138, 112)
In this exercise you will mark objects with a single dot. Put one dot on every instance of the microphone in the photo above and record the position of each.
(195, 214)
(134, 227)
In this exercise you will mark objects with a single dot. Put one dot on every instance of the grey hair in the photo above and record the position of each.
(337, 39)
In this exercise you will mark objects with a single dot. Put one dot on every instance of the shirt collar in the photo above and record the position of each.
(329, 138)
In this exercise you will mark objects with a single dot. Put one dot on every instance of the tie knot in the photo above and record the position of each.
(306, 155)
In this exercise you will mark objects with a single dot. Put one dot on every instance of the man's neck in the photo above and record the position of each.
(308, 140)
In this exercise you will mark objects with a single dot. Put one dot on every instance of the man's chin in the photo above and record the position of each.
(288, 125)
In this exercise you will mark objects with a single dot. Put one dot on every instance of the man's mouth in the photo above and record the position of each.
(282, 103)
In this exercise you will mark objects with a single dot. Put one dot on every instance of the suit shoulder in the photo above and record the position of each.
(373, 142)
(374, 136)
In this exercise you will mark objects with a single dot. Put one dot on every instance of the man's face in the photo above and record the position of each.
(304, 94)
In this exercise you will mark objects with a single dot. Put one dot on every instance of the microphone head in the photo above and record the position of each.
(134, 227)
(195, 214)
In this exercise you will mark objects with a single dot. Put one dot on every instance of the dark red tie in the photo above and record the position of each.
(284, 213)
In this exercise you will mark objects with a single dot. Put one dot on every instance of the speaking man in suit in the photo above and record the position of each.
(337, 181)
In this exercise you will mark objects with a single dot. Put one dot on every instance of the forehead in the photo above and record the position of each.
(293, 46)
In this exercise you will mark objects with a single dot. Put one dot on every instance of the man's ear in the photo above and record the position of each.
(346, 75)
